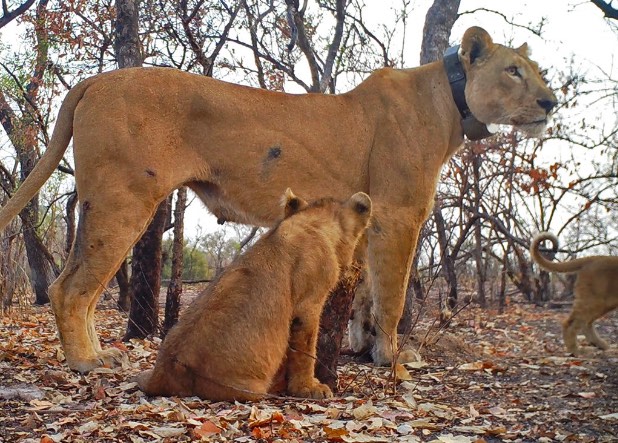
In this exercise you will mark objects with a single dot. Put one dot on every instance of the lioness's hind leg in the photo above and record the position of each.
(361, 325)
(109, 356)
(103, 239)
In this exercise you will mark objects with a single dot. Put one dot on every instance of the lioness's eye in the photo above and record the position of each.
(543, 74)
(512, 70)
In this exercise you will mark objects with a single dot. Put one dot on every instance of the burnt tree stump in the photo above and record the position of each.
(333, 324)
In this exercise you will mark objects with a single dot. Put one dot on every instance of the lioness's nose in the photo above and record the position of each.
(546, 104)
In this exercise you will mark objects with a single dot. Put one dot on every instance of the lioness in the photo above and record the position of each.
(140, 133)
(596, 291)
(235, 336)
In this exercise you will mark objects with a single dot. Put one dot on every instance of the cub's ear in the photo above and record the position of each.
(361, 203)
(291, 203)
(476, 44)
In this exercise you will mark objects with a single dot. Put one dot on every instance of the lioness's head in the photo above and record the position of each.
(503, 85)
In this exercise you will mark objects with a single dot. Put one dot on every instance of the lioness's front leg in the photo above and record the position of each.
(391, 244)
(301, 358)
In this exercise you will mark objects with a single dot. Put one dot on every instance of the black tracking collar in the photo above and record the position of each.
(472, 128)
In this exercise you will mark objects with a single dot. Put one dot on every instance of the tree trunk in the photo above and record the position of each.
(502, 290)
(439, 21)
(124, 287)
(146, 279)
(174, 290)
(478, 237)
(41, 274)
(448, 263)
(543, 289)
(23, 134)
(126, 44)
(70, 221)
(438, 25)
(146, 267)
(333, 322)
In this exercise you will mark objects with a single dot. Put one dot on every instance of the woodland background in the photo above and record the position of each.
(493, 197)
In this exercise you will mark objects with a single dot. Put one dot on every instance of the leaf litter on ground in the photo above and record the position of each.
(489, 377)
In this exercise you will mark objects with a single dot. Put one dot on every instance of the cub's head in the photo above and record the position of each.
(503, 85)
(342, 222)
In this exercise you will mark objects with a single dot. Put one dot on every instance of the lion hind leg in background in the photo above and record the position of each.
(590, 304)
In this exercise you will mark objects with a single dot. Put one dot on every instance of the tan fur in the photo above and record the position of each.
(231, 342)
(140, 133)
(596, 291)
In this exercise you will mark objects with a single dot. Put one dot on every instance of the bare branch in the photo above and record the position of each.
(333, 49)
(608, 10)
(9, 16)
(535, 31)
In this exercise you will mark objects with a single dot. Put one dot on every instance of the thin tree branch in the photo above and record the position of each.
(608, 10)
(9, 16)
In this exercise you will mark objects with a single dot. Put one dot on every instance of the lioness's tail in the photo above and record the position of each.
(63, 131)
(567, 266)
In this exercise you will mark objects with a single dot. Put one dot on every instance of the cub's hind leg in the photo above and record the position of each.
(103, 239)
(301, 358)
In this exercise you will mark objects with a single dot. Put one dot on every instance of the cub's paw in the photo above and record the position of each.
(111, 357)
(310, 389)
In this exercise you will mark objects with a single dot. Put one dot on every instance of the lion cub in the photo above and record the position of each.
(596, 291)
(261, 316)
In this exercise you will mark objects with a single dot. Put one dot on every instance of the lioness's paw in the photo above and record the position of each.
(84, 366)
(381, 357)
(106, 358)
(315, 390)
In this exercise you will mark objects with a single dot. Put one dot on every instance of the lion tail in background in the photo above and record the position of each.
(548, 265)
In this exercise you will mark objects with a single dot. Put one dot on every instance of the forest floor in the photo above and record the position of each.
(486, 378)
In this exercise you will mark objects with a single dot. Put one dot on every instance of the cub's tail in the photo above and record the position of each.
(567, 266)
(63, 131)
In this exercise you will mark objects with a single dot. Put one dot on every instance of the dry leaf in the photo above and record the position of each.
(364, 411)
(401, 373)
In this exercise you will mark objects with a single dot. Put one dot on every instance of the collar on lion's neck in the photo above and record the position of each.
(472, 128)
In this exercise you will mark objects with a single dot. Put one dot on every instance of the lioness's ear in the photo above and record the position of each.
(475, 44)
(523, 50)
(361, 203)
(291, 203)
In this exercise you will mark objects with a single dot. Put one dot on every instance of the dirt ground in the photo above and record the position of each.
(486, 378)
